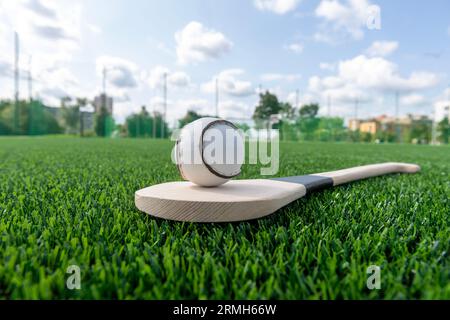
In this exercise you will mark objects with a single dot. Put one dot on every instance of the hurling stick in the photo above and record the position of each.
(240, 200)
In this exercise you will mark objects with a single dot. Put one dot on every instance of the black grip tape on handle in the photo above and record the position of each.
(311, 182)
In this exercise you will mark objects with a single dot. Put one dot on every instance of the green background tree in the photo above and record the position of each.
(443, 128)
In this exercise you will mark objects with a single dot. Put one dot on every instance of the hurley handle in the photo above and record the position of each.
(318, 181)
(368, 171)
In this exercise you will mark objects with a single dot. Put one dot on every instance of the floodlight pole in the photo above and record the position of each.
(356, 109)
(104, 80)
(30, 96)
(30, 79)
(433, 126)
(448, 107)
(297, 96)
(397, 127)
(154, 124)
(16, 82)
(329, 106)
(217, 97)
(165, 105)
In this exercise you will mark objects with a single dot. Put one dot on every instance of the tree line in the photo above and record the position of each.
(36, 118)
(143, 124)
(305, 124)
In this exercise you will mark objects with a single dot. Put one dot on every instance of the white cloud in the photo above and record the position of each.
(119, 95)
(179, 79)
(120, 72)
(49, 30)
(53, 32)
(323, 37)
(230, 84)
(382, 48)
(62, 76)
(46, 20)
(201, 106)
(157, 102)
(277, 6)
(295, 47)
(55, 83)
(381, 74)
(349, 17)
(368, 80)
(123, 108)
(335, 88)
(94, 28)
(156, 76)
(196, 43)
(227, 108)
(164, 48)
(413, 99)
(303, 98)
(40, 8)
(231, 109)
(441, 105)
(176, 109)
(327, 66)
(176, 78)
(280, 77)
(5, 67)
(440, 110)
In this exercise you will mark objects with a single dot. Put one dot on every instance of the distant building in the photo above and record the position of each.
(87, 119)
(353, 124)
(403, 129)
(371, 126)
(103, 100)
(385, 123)
(388, 124)
(55, 111)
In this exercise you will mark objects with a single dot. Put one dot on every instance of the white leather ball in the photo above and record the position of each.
(209, 151)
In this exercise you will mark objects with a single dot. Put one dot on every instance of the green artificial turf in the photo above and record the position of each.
(67, 201)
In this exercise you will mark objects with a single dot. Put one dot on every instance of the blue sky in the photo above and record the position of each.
(325, 49)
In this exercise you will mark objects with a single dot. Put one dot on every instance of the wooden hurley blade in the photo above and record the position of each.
(239, 200)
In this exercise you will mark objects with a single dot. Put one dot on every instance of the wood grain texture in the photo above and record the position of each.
(368, 171)
(234, 201)
(245, 199)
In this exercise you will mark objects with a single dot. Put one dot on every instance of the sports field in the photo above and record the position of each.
(68, 201)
